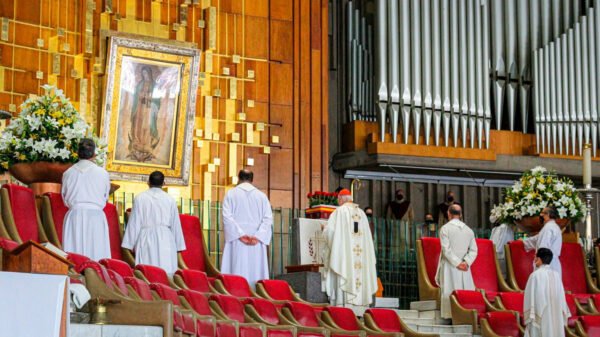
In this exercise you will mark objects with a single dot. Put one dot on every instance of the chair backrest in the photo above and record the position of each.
(235, 285)
(232, 307)
(343, 317)
(503, 323)
(197, 300)
(77, 259)
(386, 319)
(193, 255)
(154, 274)
(277, 289)
(122, 268)
(484, 271)
(114, 231)
(571, 304)
(118, 281)
(573, 268)
(522, 262)
(59, 211)
(24, 212)
(470, 299)
(265, 308)
(303, 313)
(431, 252)
(166, 292)
(512, 301)
(141, 288)
(194, 279)
(98, 269)
(7, 244)
(591, 325)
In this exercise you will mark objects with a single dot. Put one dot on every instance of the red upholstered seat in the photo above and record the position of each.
(24, 211)
(265, 308)
(573, 271)
(153, 274)
(484, 269)
(344, 318)
(186, 322)
(234, 309)
(114, 231)
(432, 249)
(77, 259)
(197, 300)
(118, 266)
(471, 299)
(193, 255)
(503, 323)
(194, 279)
(98, 269)
(591, 325)
(573, 309)
(7, 244)
(118, 281)
(303, 313)
(386, 319)
(59, 211)
(278, 290)
(235, 285)
(522, 262)
(513, 302)
(141, 288)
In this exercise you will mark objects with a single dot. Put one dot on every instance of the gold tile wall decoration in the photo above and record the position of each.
(234, 180)
(39, 75)
(226, 71)
(216, 137)
(236, 59)
(241, 116)
(212, 28)
(201, 23)
(249, 161)
(208, 113)
(266, 150)
(260, 126)
(232, 88)
(40, 43)
(199, 143)
(4, 29)
(250, 133)
(234, 137)
(232, 162)
(251, 103)
(217, 161)
(250, 74)
(12, 107)
(83, 96)
(199, 133)
(208, 61)
(183, 14)
(55, 64)
(275, 139)
(211, 168)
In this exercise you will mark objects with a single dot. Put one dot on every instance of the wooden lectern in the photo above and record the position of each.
(31, 257)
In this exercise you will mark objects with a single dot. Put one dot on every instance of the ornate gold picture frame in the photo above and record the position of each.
(149, 107)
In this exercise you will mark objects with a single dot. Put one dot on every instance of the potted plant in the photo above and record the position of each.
(42, 141)
(536, 189)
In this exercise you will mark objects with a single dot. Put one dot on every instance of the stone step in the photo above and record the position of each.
(387, 302)
(428, 321)
(423, 305)
(404, 314)
(430, 314)
(435, 328)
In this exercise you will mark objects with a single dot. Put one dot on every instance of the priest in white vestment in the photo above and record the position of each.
(500, 236)
(154, 230)
(85, 189)
(549, 237)
(248, 222)
(545, 308)
(349, 276)
(459, 251)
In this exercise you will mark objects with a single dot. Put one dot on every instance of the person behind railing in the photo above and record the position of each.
(369, 213)
(442, 216)
(399, 213)
(429, 227)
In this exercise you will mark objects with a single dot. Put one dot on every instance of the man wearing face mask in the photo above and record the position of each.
(443, 208)
(549, 237)
(400, 208)
(369, 213)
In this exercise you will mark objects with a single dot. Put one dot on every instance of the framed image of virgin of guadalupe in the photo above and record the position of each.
(149, 107)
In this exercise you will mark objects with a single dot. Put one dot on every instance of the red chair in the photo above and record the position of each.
(53, 214)
(118, 266)
(428, 257)
(8, 245)
(198, 302)
(575, 273)
(304, 316)
(594, 305)
(278, 290)
(196, 255)
(468, 306)
(486, 272)
(387, 320)
(115, 235)
(519, 264)
(501, 324)
(237, 286)
(572, 304)
(511, 302)
(153, 274)
(229, 307)
(588, 326)
(345, 319)
(193, 279)
(20, 215)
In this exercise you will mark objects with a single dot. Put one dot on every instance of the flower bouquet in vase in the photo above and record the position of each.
(536, 189)
(321, 204)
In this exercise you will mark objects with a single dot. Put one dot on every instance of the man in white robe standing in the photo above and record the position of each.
(545, 308)
(500, 236)
(85, 189)
(459, 251)
(549, 237)
(248, 222)
(154, 230)
(349, 276)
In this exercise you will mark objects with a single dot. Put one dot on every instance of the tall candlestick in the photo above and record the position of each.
(587, 166)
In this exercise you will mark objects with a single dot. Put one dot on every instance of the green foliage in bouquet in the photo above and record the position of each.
(322, 198)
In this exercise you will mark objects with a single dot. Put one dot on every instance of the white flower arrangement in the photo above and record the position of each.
(536, 190)
(47, 129)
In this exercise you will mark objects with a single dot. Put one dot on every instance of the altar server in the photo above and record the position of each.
(549, 237)
(248, 222)
(154, 230)
(85, 189)
(545, 308)
(459, 251)
(349, 276)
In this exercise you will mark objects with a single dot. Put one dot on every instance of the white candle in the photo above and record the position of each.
(587, 166)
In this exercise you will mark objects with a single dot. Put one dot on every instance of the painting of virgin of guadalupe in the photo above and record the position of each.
(149, 109)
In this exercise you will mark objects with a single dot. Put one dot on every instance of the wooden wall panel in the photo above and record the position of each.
(281, 86)
(281, 34)
(282, 115)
